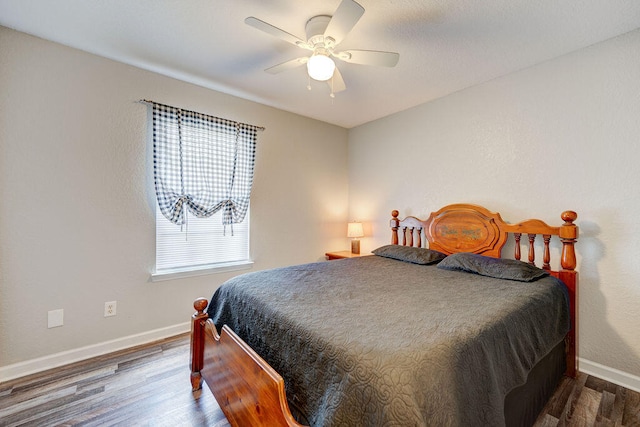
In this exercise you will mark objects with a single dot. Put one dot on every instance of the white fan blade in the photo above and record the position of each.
(369, 57)
(344, 19)
(275, 31)
(336, 83)
(287, 65)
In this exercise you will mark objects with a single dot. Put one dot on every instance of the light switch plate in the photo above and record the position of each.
(55, 318)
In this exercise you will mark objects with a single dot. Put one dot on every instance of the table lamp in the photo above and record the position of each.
(354, 230)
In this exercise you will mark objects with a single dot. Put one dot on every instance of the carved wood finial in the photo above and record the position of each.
(569, 217)
(200, 305)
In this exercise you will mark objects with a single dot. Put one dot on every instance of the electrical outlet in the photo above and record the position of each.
(55, 318)
(109, 308)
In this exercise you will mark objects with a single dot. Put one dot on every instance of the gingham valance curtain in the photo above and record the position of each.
(203, 163)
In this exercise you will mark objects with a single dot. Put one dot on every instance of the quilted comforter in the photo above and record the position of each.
(373, 341)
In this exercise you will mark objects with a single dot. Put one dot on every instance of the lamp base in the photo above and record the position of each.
(355, 246)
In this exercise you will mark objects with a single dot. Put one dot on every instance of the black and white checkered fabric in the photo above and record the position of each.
(203, 163)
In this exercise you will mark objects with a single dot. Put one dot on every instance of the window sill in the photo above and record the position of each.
(201, 271)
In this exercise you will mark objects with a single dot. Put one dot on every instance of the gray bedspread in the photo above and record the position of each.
(373, 341)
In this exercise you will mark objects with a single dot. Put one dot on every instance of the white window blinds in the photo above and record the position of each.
(202, 243)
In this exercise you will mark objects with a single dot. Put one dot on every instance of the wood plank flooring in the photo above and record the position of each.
(149, 386)
(143, 386)
(590, 401)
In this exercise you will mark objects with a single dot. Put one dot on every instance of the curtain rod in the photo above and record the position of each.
(146, 101)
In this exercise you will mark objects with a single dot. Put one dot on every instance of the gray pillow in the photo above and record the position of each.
(410, 254)
(493, 267)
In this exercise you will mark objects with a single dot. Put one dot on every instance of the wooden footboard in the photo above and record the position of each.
(249, 391)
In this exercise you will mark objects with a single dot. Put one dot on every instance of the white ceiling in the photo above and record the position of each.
(444, 46)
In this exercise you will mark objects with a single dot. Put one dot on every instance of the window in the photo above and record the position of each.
(203, 172)
(202, 245)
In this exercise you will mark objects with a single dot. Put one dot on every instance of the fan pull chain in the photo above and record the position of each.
(308, 82)
(332, 95)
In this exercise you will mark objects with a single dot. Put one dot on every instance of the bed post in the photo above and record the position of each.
(568, 234)
(197, 342)
(394, 224)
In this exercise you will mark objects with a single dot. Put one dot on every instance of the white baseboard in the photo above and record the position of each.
(612, 375)
(40, 364)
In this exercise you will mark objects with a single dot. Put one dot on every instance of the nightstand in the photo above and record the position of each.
(342, 254)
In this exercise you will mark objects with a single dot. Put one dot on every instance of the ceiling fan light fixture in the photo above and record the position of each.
(324, 33)
(320, 67)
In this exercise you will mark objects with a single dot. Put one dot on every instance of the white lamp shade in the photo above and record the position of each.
(354, 229)
(320, 67)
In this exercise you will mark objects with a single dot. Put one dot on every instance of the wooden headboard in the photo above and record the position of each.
(471, 228)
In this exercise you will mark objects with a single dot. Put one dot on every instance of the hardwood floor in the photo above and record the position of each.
(143, 386)
(590, 401)
(149, 386)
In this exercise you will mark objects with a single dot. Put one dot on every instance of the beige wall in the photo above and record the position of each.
(77, 206)
(561, 135)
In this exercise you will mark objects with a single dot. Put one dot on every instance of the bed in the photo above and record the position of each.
(449, 335)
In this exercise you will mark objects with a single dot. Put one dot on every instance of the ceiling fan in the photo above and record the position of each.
(324, 33)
